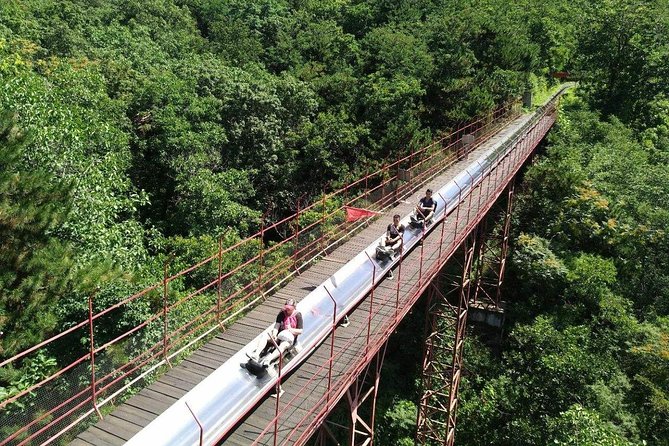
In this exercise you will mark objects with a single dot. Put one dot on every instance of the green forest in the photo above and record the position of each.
(134, 131)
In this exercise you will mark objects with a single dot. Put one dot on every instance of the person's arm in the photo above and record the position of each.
(400, 236)
(277, 325)
(389, 236)
(420, 204)
(422, 209)
(298, 330)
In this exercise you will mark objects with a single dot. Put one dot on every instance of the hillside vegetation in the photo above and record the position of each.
(148, 128)
(134, 131)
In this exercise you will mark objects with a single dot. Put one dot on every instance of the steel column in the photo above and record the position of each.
(493, 251)
(446, 324)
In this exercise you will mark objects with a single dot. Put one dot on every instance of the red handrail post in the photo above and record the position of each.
(443, 225)
(487, 177)
(90, 326)
(371, 302)
(324, 242)
(397, 177)
(399, 279)
(296, 234)
(278, 391)
(470, 192)
(220, 280)
(457, 211)
(261, 254)
(165, 322)
(366, 182)
(384, 171)
(346, 202)
(422, 248)
(199, 424)
(332, 340)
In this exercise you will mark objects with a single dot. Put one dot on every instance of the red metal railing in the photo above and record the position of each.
(187, 306)
(284, 428)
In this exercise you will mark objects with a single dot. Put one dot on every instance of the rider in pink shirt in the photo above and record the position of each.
(287, 328)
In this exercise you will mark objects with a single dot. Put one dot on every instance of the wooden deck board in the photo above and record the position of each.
(133, 415)
(119, 427)
(184, 375)
(97, 436)
(142, 402)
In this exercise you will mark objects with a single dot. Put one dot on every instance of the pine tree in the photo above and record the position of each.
(36, 268)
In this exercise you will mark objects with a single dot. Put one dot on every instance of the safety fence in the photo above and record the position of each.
(383, 309)
(94, 362)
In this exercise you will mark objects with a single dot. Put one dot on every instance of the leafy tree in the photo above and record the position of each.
(329, 149)
(205, 203)
(582, 427)
(541, 274)
(623, 57)
(37, 269)
(647, 364)
(399, 424)
(75, 131)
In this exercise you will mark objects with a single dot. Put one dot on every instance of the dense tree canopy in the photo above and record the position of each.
(190, 118)
(135, 132)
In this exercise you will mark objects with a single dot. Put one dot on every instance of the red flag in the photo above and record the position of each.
(353, 214)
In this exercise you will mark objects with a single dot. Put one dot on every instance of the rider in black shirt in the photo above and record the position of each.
(394, 234)
(426, 208)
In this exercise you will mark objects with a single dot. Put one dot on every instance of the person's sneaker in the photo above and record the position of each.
(275, 395)
(391, 276)
(344, 322)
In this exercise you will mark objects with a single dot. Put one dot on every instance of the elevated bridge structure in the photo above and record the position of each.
(204, 314)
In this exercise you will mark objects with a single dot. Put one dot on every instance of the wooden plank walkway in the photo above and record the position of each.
(305, 388)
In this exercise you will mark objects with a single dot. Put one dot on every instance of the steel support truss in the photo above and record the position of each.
(446, 323)
(361, 403)
(492, 254)
(480, 267)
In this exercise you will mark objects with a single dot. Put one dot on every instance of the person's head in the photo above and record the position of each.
(428, 193)
(396, 219)
(289, 306)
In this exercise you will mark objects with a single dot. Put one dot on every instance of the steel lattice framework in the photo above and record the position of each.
(492, 255)
(445, 330)
(473, 277)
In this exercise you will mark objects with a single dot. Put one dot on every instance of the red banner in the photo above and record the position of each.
(353, 214)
